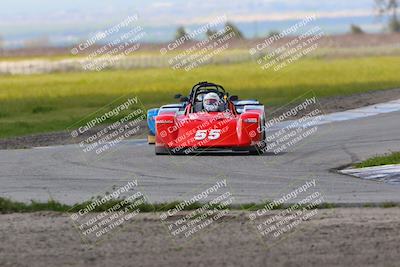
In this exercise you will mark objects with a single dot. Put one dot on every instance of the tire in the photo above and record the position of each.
(254, 151)
(264, 134)
(160, 150)
(151, 139)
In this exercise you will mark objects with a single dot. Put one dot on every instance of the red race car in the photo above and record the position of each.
(210, 120)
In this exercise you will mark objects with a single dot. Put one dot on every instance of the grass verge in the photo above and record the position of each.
(393, 158)
(10, 206)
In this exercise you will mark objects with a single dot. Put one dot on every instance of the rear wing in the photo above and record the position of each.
(246, 105)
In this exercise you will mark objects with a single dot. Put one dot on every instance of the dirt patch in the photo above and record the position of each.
(58, 138)
(334, 237)
(343, 103)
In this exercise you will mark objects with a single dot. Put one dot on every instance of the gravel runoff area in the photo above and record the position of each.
(329, 105)
(334, 237)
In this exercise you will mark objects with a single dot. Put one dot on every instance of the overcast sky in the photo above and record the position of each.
(72, 18)
(158, 12)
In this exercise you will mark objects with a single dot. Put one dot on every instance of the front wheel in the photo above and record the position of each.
(160, 150)
(254, 151)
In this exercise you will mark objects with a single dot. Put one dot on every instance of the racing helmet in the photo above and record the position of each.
(211, 102)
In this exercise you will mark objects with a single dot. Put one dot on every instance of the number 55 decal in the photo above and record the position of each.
(212, 135)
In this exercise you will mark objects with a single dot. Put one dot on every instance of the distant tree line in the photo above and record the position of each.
(384, 8)
(389, 8)
(232, 28)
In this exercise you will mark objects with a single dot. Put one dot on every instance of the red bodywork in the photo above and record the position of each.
(183, 133)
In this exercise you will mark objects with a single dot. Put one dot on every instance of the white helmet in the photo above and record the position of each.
(211, 102)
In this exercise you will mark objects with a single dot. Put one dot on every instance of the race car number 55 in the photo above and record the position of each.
(212, 134)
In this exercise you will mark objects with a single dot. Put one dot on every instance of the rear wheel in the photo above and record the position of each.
(151, 139)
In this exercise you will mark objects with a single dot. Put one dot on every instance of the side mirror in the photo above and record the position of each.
(184, 99)
(233, 98)
(178, 96)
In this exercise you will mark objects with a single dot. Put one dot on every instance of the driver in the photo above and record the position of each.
(211, 102)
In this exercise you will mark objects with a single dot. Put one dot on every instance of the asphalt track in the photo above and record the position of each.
(68, 175)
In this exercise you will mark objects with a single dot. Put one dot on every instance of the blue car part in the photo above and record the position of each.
(151, 114)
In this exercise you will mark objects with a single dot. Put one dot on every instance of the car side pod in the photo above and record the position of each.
(151, 114)
(249, 123)
(165, 133)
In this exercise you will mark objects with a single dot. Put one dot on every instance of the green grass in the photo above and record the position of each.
(393, 158)
(53, 102)
(10, 206)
